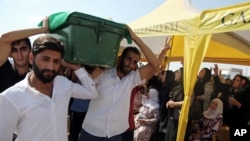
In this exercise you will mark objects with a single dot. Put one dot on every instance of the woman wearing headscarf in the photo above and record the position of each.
(148, 116)
(208, 125)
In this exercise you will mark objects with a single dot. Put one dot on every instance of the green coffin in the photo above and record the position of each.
(88, 39)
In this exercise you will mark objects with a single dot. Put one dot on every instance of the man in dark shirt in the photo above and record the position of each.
(16, 45)
(12, 71)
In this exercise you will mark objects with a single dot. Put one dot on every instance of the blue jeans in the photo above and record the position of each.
(85, 136)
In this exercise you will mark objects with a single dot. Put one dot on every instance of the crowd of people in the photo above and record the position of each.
(38, 90)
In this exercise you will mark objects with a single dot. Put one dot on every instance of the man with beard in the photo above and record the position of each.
(36, 108)
(107, 116)
(15, 48)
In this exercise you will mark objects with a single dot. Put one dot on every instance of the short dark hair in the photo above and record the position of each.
(47, 42)
(238, 75)
(128, 49)
(26, 40)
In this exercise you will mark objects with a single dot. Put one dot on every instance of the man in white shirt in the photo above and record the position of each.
(107, 116)
(36, 108)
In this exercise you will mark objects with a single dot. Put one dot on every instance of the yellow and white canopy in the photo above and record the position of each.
(197, 36)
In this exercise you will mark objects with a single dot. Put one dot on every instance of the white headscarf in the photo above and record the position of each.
(211, 114)
(153, 101)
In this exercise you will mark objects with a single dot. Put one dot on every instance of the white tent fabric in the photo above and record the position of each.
(166, 17)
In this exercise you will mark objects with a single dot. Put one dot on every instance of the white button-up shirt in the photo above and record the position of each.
(108, 113)
(35, 116)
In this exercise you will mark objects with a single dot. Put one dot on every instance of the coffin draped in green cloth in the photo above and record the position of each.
(88, 40)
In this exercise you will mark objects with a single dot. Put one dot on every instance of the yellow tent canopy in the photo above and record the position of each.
(197, 36)
(215, 53)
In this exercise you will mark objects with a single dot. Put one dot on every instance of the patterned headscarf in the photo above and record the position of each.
(153, 101)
